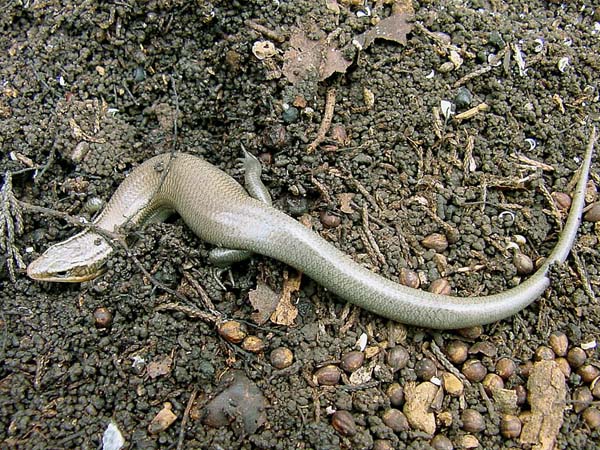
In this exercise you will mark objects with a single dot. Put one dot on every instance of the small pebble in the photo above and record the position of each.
(523, 263)
(452, 384)
(290, 114)
(253, 344)
(409, 278)
(463, 97)
(282, 357)
(441, 286)
(543, 353)
(232, 331)
(330, 220)
(435, 241)
(103, 318)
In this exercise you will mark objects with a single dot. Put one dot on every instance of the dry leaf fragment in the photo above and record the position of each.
(264, 300)
(285, 312)
(345, 200)
(162, 420)
(311, 59)
(159, 367)
(393, 28)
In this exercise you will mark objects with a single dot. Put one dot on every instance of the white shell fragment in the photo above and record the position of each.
(112, 439)
(447, 108)
(264, 49)
(539, 45)
(361, 344)
(455, 58)
(520, 59)
(532, 143)
(589, 345)
(563, 63)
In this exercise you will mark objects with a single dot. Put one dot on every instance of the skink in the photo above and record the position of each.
(220, 211)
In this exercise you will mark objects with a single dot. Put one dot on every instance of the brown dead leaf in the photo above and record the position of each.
(345, 199)
(264, 300)
(307, 58)
(547, 397)
(159, 367)
(393, 28)
(286, 312)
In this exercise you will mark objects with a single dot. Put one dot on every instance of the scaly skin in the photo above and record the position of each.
(220, 212)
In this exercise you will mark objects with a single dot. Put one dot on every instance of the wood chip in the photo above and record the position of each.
(417, 407)
(547, 397)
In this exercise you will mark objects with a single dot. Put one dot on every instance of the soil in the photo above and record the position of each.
(92, 89)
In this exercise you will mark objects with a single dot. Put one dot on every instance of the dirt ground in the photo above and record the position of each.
(91, 89)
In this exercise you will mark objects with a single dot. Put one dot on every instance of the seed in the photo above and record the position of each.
(327, 376)
(562, 200)
(559, 342)
(344, 423)
(588, 373)
(564, 366)
(253, 344)
(440, 287)
(521, 394)
(596, 388)
(523, 263)
(396, 420)
(576, 357)
(544, 353)
(339, 134)
(510, 426)
(485, 348)
(525, 368)
(330, 220)
(425, 369)
(473, 421)
(232, 331)
(103, 318)
(474, 370)
(582, 398)
(397, 358)
(506, 367)
(409, 278)
(282, 357)
(441, 442)
(352, 361)
(471, 332)
(457, 352)
(395, 392)
(593, 214)
(492, 382)
(435, 241)
(592, 417)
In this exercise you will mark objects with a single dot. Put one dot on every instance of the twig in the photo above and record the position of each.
(271, 34)
(371, 240)
(184, 419)
(326, 122)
